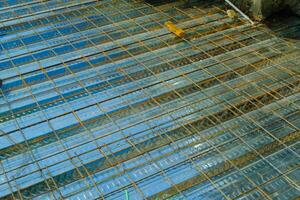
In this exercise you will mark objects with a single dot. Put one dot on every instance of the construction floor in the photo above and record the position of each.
(101, 101)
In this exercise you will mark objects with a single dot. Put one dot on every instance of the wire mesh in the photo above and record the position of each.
(100, 100)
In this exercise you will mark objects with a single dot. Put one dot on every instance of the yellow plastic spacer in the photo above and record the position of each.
(174, 29)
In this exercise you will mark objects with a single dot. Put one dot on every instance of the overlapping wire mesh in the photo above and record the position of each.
(100, 100)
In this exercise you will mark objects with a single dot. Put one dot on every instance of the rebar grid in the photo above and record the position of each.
(203, 98)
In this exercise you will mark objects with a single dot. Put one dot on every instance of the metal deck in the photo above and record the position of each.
(100, 100)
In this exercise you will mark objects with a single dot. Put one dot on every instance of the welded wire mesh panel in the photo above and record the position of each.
(101, 100)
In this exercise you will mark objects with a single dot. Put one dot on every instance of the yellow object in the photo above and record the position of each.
(174, 29)
(231, 13)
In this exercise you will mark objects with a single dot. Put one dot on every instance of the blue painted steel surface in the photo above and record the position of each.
(100, 100)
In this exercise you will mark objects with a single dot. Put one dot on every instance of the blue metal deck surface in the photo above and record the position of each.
(100, 100)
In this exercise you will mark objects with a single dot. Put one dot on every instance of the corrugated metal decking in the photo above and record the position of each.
(100, 100)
